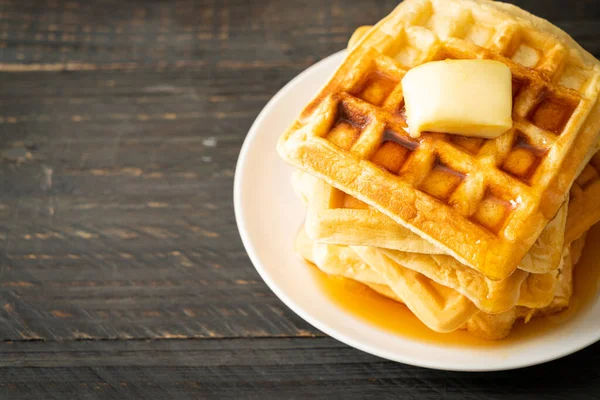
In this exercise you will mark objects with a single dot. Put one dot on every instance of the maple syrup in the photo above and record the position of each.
(382, 312)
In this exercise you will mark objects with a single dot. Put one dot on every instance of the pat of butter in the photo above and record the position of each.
(464, 97)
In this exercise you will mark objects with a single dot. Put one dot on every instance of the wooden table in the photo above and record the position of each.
(122, 274)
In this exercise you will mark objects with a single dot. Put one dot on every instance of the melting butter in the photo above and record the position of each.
(463, 97)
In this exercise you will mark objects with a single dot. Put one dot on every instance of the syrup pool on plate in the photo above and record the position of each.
(389, 315)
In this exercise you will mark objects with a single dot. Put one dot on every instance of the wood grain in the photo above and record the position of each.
(122, 274)
(294, 368)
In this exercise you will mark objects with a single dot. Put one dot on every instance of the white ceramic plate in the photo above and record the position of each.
(269, 215)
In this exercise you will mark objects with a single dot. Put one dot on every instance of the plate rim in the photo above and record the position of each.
(321, 325)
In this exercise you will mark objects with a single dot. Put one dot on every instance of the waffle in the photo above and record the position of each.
(440, 308)
(337, 218)
(490, 296)
(358, 34)
(535, 293)
(484, 202)
(495, 327)
(584, 208)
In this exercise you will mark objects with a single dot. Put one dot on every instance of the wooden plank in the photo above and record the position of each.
(110, 35)
(122, 226)
(88, 250)
(267, 369)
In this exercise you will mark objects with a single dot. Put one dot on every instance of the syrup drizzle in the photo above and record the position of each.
(390, 135)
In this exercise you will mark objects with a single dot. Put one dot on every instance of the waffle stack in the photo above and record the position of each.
(467, 232)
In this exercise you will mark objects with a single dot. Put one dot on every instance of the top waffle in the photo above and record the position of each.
(483, 201)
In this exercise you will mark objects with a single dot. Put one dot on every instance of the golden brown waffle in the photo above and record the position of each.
(584, 208)
(576, 248)
(361, 228)
(440, 308)
(584, 205)
(483, 201)
(337, 218)
(490, 296)
(534, 292)
(358, 34)
(498, 326)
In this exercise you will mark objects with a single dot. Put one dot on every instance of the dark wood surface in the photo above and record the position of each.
(122, 274)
